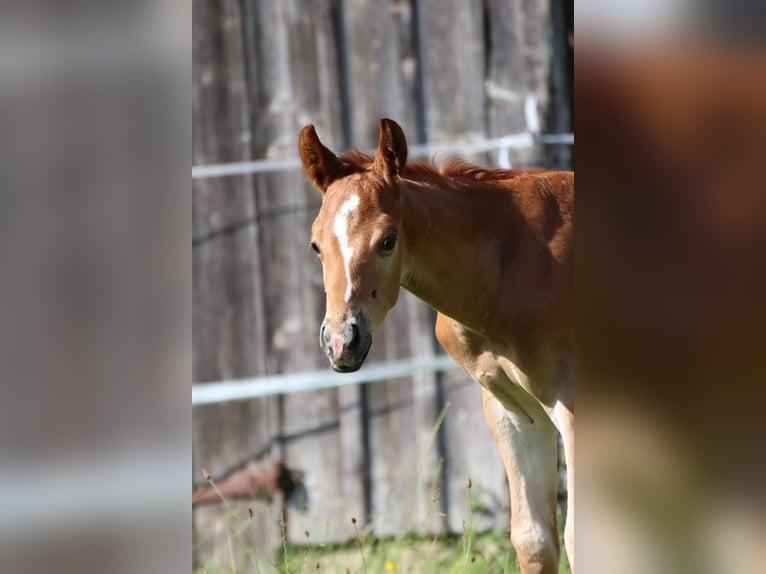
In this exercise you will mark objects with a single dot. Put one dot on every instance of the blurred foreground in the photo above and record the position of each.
(671, 277)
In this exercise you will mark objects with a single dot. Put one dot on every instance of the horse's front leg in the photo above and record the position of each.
(528, 447)
(526, 439)
(563, 417)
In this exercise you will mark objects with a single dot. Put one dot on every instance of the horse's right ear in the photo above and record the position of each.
(320, 164)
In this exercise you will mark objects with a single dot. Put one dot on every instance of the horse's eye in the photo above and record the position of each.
(315, 247)
(388, 243)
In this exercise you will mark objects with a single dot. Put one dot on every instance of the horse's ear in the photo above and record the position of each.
(320, 164)
(391, 155)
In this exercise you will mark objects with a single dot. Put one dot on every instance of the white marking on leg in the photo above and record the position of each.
(340, 227)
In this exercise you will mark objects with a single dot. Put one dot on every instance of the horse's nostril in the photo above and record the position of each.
(323, 335)
(353, 342)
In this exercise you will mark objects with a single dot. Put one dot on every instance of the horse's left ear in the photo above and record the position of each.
(391, 155)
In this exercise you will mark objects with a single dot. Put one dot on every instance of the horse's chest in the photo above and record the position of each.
(495, 366)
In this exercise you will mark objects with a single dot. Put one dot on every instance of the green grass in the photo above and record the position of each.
(446, 554)
(470, 552)
(490, 553)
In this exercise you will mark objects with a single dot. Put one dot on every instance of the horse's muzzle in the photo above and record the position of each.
(348, 348)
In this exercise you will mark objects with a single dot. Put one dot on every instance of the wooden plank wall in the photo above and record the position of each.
(447, 70)
(230, 337)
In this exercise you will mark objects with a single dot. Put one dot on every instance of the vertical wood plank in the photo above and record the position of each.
(559, 117)
(452, 67)
(294, 81)
(518, 66)
(451, 35)
(382, 66)
(226, 329)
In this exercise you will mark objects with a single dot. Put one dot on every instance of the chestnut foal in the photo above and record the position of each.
(492, 252)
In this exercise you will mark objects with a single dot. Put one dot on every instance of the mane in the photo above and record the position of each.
(454, 170)
(460, 171)
(355, 160)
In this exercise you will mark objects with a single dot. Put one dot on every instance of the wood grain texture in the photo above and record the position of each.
(403, 473)
(518, 65)
(228, 334)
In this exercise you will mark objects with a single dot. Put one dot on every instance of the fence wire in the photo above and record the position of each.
(522, 140)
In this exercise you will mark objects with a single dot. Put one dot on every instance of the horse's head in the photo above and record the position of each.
(357, 237)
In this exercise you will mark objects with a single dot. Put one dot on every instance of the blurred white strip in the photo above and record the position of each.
(243, 389)
(64, 492)
(244, 167)
(634, 21)
(531, 115)
(521, 140)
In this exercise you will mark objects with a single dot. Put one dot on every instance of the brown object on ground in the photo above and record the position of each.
(251, 480)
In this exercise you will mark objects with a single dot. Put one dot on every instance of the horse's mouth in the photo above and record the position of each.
(352, 363)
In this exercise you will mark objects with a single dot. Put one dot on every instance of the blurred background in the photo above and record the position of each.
(95, 326)
(460, 77)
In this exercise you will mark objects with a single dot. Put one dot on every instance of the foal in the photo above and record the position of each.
(492, 252)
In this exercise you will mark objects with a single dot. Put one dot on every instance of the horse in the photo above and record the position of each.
(491, 250)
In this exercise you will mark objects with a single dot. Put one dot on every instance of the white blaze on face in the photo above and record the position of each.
(340, 227)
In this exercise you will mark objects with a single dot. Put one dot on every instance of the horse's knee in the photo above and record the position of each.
(537, 550)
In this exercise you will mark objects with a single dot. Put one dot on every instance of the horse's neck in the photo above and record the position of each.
(453, 255)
